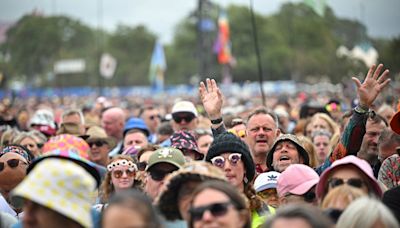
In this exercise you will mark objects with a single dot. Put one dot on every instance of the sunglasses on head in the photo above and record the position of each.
(354, 182)
(142, 166)
(180, 118)
(12, 163)
(233, 158)
(216, 209)
(98, 143)
(119, 173)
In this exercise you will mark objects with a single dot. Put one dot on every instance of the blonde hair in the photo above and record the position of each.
(309, 146)
(334, 128)
(344, 193)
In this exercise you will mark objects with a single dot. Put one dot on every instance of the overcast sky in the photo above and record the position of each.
(382, 17)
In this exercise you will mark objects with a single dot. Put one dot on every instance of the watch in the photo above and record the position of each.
(358, 109)
(217, 121)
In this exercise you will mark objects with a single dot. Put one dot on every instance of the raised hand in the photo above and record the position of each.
(373, 84)
(211, 98)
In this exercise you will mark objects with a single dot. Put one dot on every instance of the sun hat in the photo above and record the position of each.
(354, 161)
(60, 185)
(169, 155)
(192, 171)
(136, 123)
(96, 132)
(266, 181)
(71, 148)
(389, 173)
(291, 138)
(297, 179)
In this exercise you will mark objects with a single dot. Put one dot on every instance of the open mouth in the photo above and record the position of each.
(284, 158)
(261, 141)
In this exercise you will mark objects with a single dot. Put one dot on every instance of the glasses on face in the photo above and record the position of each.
(267, 193)
(308, 197)
(233, 158)
(142, 166)
(153, 117)
(354, 182)
(98, 143)
(180, 118)
(12, 163)
(158, 175)
(119, 173)
(216, 209)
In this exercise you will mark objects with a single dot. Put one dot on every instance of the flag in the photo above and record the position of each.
(108, 64)
(158, 66)
(222, 46)
(317, 5)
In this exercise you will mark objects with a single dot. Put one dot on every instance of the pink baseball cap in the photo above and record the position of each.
(358, 163)
(297, 179)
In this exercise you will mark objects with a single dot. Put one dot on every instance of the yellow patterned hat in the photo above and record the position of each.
(60, 185)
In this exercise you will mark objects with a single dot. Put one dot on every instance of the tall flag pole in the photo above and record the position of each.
(222, 47)
(158, 66)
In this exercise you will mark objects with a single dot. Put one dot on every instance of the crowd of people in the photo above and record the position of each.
(187, 162)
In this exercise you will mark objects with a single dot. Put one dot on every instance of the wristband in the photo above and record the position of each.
(217, 121)
(358, 109)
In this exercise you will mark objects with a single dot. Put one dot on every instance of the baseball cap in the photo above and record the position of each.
(266, 181)
(297, 179)
(184, 106)
(167, 155)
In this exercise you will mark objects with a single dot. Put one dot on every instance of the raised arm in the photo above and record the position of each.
(352, 137)
(212, 100)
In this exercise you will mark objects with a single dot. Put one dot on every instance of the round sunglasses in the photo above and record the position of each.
(12, 163)
(233, 158)
(119, 173)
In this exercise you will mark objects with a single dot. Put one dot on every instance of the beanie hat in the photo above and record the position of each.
(292, 138)
(228, 142)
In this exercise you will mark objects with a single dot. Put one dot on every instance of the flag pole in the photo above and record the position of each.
(257, 49)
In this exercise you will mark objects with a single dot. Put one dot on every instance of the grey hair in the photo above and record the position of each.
(365, 212)
(71, 112)
(265, 111)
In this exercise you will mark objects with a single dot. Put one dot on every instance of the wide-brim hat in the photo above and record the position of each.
(292, 138)
(362, 165)
(60, 185)
(192, 171)
(96, 132)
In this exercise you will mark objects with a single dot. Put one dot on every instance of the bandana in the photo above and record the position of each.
(18, 150)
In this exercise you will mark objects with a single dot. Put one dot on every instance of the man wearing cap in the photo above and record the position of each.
(136, 134)
(184, 116)
(297, 185)
(161, 163)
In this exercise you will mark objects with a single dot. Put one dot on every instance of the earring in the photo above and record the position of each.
(245, 180)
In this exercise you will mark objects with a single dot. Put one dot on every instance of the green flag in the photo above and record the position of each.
(317, 5)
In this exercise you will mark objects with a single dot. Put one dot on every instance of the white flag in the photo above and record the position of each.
(108, 64)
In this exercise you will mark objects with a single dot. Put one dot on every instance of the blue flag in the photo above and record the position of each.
(158, 66)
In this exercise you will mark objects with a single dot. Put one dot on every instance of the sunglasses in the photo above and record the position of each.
(179, 119)
(267, 193)
(12, 163)
(153, 117)
(98, 143)
(158, 175)
(119, 173)
(233, 158)
(216, 209)
(354, 182)
(142, 166)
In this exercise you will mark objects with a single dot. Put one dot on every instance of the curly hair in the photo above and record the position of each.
(107, 188)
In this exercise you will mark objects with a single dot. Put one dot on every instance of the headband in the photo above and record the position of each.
(122, 162)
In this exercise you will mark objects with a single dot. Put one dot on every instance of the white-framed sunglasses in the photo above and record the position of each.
(233, 158)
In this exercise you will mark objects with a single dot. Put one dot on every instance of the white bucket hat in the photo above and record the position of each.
(60, 185)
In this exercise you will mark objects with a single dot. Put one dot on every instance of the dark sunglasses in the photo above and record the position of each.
(142, 166)
(233, 158)
(98, 143)
(187, 118)
(216, 209)
(158, 175)
(119, 173)
(354, 182)
(13, 163)
(309, 197)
